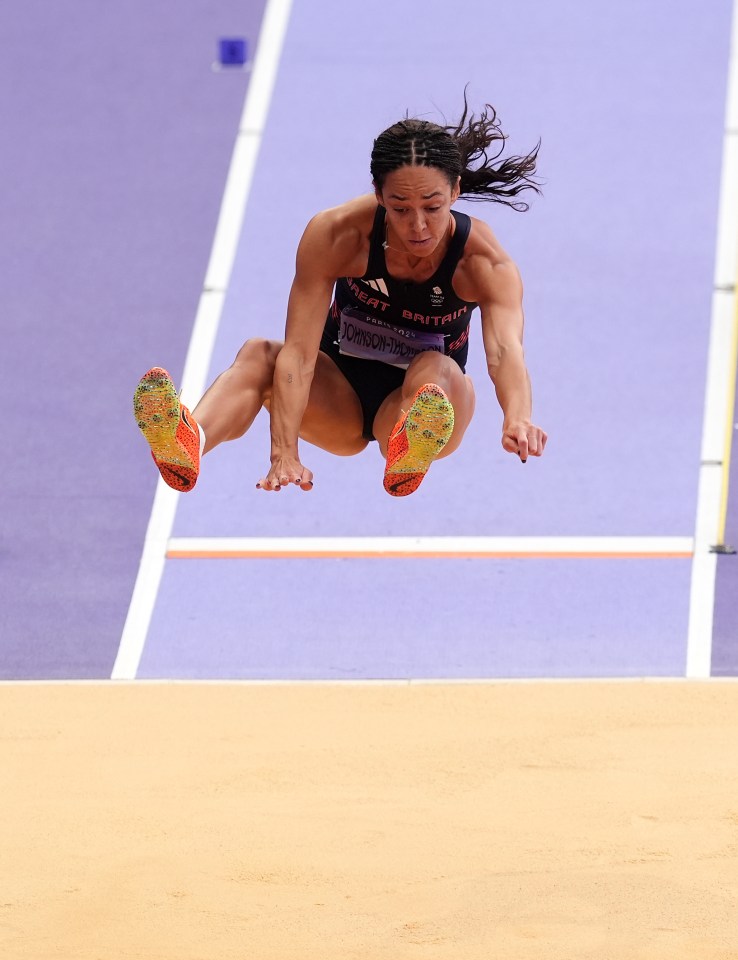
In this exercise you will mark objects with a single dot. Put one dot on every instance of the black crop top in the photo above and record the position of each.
(379, 317)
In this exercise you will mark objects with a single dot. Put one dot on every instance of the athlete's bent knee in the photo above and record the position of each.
(258, 351)
(435, 367)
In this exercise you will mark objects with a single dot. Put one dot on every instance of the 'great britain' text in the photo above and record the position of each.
(434, 320)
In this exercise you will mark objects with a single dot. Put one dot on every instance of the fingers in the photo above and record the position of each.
(517, 443)
(279, 477)
(525, 440)
(266, 484)
(305, 480)
(536, 442)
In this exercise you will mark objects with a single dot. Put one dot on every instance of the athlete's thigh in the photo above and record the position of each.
(333, 419)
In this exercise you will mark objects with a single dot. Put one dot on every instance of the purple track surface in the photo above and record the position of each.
(394, 619)
(117, 136)
(120, 143)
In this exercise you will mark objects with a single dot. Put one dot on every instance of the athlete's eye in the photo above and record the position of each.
(433, 209)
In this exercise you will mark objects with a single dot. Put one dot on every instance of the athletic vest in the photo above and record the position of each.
(378, 317)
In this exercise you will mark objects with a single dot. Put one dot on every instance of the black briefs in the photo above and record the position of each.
(370, 380)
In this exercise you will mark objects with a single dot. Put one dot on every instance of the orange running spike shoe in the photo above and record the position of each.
(418, 438)
(170, 429)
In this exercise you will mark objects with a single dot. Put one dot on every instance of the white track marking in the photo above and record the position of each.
(225, 243)
(387, 546)
(718, 402)
(350, 682)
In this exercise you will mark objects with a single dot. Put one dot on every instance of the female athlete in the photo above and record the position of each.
(377, 328)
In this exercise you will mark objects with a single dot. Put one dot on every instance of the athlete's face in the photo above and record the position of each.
(418, 202)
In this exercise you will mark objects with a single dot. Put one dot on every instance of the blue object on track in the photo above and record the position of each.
(232, 51)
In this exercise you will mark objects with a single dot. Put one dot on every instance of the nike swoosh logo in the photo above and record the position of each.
(394, 487)
(184, 417)
(185, 480)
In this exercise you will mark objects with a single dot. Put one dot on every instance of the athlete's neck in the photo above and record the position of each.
(410, 262)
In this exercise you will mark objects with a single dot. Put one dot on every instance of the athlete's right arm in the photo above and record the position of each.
(309, 300)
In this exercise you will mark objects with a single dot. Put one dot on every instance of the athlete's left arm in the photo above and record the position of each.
(499, 292)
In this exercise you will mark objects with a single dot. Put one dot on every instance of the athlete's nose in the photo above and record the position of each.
(418, 224)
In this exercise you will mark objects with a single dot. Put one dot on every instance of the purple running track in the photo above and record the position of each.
(117, 136)
(398, 619)
(117, 141)
(618, 261)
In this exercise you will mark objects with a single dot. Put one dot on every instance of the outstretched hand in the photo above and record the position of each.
(524, 439)
(283, 472)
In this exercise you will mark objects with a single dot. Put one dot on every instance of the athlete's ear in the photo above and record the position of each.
(378, 195)
(456, 190)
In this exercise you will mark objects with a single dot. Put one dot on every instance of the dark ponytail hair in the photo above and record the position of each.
(469, 150)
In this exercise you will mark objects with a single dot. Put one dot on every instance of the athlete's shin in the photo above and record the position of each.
(230, 405)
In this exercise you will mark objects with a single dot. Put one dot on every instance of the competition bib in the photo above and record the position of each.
(372, 339)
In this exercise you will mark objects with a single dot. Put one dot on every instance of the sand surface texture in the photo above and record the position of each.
(532, 821)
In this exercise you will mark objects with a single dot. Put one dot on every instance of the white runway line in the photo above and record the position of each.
(718, 413)
(404, 682)
(491, 547)
(225, 243)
